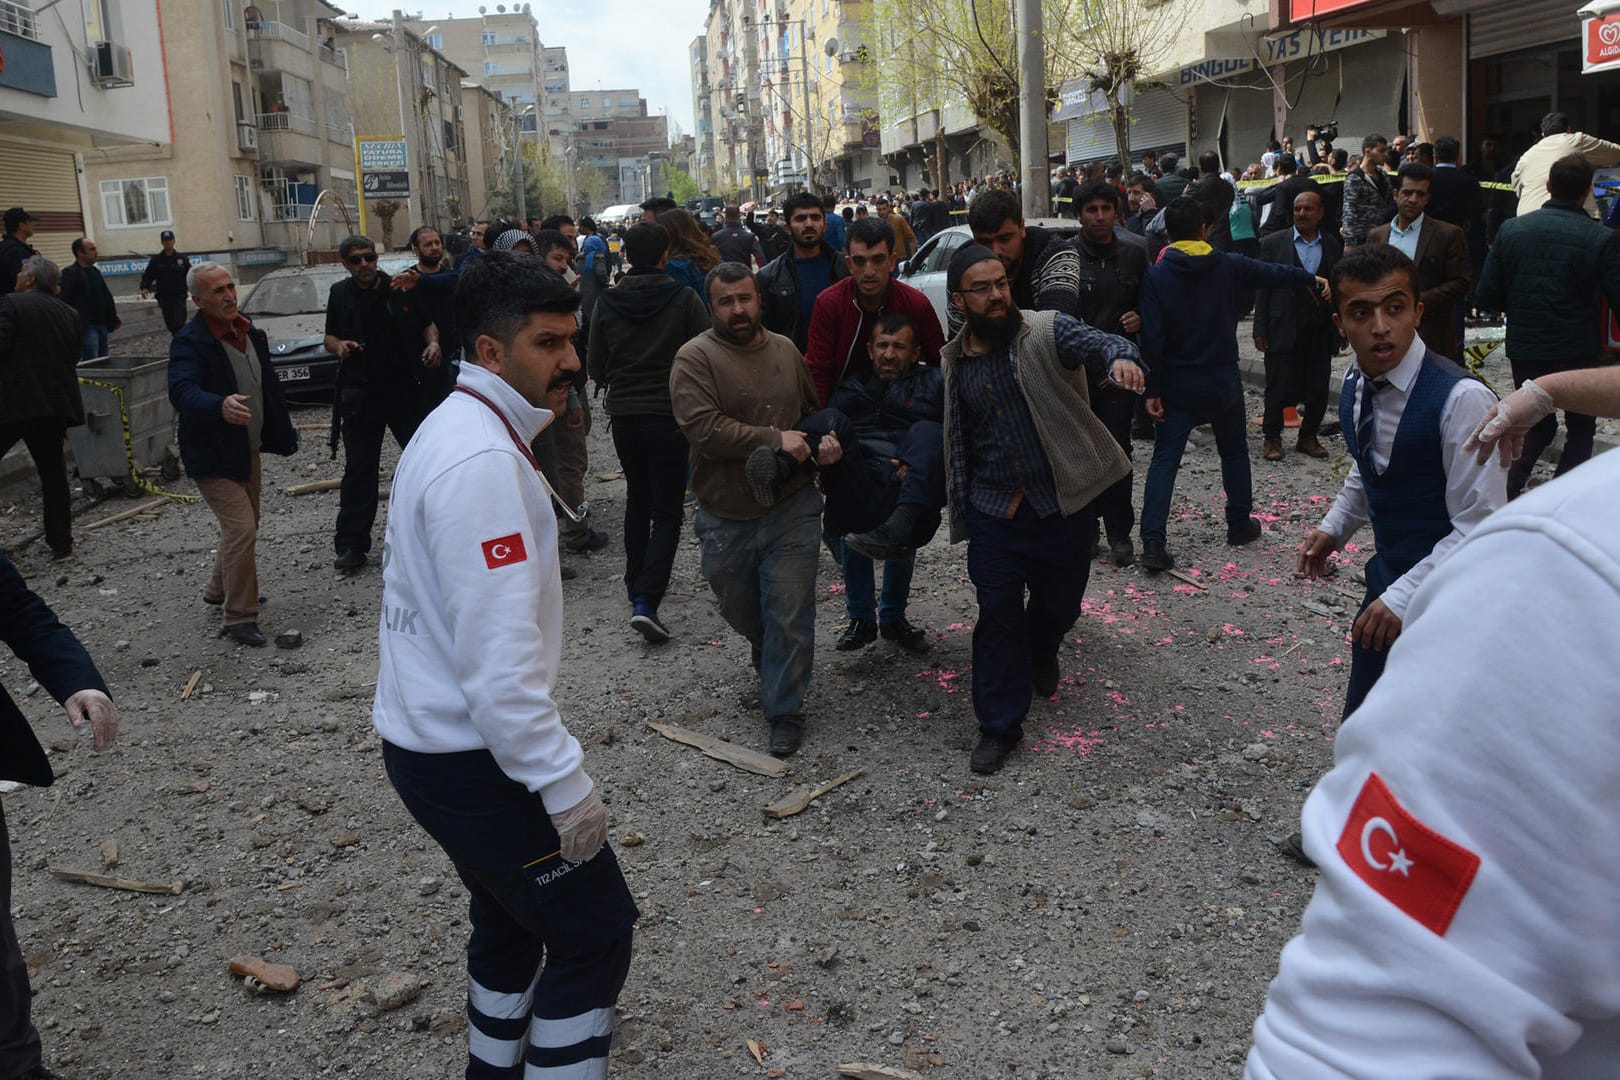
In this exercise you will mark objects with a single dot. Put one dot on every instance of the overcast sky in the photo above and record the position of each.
(611, 43)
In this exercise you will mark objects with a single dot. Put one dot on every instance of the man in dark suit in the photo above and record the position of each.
(39, 357)
(1441, 253)
(1282, 195)
(231, 407)
(1456, 198)
(1294, 328)
(60, 664)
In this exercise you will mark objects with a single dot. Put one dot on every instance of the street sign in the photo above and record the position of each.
(385, 168)
(386, 184)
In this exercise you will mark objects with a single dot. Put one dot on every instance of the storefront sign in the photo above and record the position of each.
(1602, 43)
(1306, 10)
(1218, 68)
(1307, 42)
(385, 168)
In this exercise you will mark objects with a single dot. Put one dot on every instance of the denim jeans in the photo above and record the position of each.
(1215, 397)
(763, 572)
(550, 942)
(94, 343)
(861, 600)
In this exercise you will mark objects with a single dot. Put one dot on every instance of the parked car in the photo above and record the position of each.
(926, 269)
(289, 305)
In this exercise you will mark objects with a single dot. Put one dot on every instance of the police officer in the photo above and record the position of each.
(471, 641)
(165, 275)
(378, 389)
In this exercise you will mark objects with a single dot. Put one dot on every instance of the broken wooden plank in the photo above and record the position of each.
(313, 486)
(758, 1049)
(191, 684)
(90, 877)
(143, 508)
(801, 799)
(860, 1070)
(1194, 582)
(743, 758)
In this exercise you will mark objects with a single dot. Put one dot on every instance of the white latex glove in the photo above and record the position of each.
(582, 828)
(1508, 421)
(98, 709)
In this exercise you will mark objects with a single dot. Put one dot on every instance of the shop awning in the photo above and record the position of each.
(1600, 33)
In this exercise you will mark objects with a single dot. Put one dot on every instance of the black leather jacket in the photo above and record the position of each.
(779, 294)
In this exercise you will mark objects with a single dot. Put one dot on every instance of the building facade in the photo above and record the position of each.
(490, 141)
(58, 116)
(260, 170)
(613, 138)
(702, 168)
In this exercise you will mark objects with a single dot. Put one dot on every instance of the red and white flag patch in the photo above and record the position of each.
(504, 551)
(1404, 861)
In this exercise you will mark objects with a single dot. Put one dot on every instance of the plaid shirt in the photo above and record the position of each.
(1000, 450)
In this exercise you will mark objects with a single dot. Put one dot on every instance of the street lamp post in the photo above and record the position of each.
(519, 194)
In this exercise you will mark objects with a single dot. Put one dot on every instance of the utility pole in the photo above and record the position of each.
(809, 117)
(1032, 108)
(517, 159)
(399, 93)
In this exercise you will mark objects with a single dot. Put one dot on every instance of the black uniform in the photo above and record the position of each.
(13, 253)
(378, 390)
(165, 277)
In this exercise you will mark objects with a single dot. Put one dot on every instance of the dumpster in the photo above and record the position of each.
(128, 422)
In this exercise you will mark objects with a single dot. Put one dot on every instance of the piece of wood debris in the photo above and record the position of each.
(743, 758)
(313, 486)
(758, 1049)
(1296, 646)
(323, 426)
(191, 684)
(860, 1070)
(109, 853)
(90, 877)
(1190, 580)
(143, 508)
(268, 976)
(796, 803)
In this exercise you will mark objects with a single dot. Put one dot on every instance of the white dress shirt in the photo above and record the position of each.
(1473, 490)
(1406, 239)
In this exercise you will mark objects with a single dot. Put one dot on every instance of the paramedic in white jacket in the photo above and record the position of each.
(470, 644)
(1467, 920)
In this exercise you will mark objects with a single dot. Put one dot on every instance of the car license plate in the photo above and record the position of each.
(292, 374)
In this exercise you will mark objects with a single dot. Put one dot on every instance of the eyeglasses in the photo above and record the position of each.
(985, 288)
(356, 260)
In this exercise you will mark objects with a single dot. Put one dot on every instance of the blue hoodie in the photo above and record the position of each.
(1190, 306)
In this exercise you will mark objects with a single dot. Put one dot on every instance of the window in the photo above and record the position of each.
(488, 38)
(491, 68)
(244, 199)
(584, 102)
(435, 41)
(136, 202)
(228, 7)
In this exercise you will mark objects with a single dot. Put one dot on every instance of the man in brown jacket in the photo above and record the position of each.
(1441, 253)
(735, 388)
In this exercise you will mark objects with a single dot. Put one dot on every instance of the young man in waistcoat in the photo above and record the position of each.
(1406, 412)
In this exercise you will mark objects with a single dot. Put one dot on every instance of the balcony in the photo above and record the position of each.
(28, 66)
(287, 139)
(275, 46)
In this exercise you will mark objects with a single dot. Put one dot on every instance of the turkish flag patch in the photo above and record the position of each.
(504, 551)
(1405, 861)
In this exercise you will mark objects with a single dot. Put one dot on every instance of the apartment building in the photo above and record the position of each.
(260, 169)
(613, 138)
(83, 81)
(703, 161)
(401, 85)
(490, 137)
(733, 65)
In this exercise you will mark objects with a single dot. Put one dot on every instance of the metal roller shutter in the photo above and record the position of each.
(1158, 122)
(44, 181)
(1522, 24)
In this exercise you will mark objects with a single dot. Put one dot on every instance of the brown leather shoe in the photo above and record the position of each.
(1271, 449)
(1311, 447)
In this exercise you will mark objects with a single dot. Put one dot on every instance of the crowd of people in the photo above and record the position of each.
(780, 376)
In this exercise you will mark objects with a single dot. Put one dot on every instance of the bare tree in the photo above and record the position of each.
(1117, 44)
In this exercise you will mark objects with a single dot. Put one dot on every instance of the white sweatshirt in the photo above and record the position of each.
(471, 631)
(1470, 928)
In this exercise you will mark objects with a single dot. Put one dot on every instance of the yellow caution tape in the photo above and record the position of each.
(129, 446)
(1473, 358)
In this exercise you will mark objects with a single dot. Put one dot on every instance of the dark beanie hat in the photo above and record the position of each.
(964, 259)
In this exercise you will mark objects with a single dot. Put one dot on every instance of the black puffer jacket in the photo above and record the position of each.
(779, 294)
(883, 410)
(1546, 271)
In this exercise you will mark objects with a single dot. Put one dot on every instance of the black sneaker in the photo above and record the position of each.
(245, 633)
(594, 540)
(1155, 556)
(902, 633)
(44, 1073)
(1294, 848)
(349, 560)
(990, 753)
(890, 540)
(64, 555)
(1044, 674)
(857, 635)
(1246, 533)
(787, 732)
(767, 470)
(644, 621)
(1121, 553)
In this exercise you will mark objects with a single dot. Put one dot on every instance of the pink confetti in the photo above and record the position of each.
(719, 644)
(1267, 733)
(1075, 740)
(923, 715)
(836, 587)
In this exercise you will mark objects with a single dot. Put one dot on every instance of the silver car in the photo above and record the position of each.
(926, 269)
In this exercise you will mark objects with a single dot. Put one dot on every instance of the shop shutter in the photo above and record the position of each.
(43, 181)
(1522, 24)
(1158, 122)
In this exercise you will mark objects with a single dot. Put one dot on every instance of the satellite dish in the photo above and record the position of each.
(482, 9)
(831, 48)
(501, 8)
(525, 9)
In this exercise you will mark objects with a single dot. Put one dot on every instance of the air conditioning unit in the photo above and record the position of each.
(247, 137)
(112, 65)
